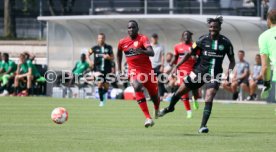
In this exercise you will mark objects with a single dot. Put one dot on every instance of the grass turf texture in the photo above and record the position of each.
(25, 126)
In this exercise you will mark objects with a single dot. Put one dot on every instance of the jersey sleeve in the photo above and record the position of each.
(247, 66)
(263, 45)
(197, 46)
(175, 50)
(110, 50)
(146, 42)
(196, 49)
(29, 64)
(120, 48)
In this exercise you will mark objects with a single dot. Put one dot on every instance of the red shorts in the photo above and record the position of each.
(181, 74)
(147, 80)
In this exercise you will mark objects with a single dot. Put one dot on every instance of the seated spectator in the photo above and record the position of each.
(167, 64)
(255, 78)
(30, 58)
(7, 72)
(25, 73)
(240, 77)
(79, 70)
(171, 84)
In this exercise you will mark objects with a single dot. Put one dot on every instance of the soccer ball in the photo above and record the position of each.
(59, 115)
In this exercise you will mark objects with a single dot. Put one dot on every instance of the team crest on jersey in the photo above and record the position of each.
(136, 43)
(221, 47)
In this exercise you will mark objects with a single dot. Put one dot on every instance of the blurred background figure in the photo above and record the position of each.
(255, 79)
(157, 62)
(240, 77)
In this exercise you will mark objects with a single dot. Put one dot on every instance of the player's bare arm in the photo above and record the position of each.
(108, 57)
(89, 53)
(119, 60)
(266, 72)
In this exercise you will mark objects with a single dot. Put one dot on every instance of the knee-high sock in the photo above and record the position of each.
(206, 113)
(174, 100)
(185, 99)
(101, 93)
(141, 100)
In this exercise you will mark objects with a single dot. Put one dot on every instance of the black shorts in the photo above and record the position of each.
(103, 78)
(245, 81)
(196, 83)
(260, 82)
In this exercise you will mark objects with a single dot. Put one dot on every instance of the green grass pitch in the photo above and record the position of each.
(25, 126)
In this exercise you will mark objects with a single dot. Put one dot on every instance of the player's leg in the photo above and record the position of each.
(174, 99)
(105, 90)
(209, 97)
(234, 87)
(101, 93)
(141, 100)
(29, 84)
(185, 99)
(195, 97)
(152, 88)
(252, 89)
(227, 86)
(245, 86)
(5, 80)
(17, 79)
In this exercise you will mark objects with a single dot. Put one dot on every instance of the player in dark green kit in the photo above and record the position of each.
(213, 47)
(103, 57)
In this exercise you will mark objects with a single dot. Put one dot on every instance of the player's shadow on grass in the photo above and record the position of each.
(241, 117)
(251, 132)
(210, 134)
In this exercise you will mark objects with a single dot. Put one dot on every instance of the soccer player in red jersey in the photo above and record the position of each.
(184, 69)
(137, 50)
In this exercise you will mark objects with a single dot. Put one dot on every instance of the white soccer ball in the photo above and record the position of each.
(59, 115)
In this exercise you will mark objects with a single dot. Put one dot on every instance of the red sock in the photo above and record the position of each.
(185, 99)
(140, 97)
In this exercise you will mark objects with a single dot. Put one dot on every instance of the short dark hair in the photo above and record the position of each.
(6, 54)
(102, 34)
(241, 51)
(154, 35)
(272, 16)
(133, 21)
(26, 54)
(187, 32)
(218, 19)
(169, 53)
(258, 55)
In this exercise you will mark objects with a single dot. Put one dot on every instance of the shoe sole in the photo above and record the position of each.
(149, 125)
(204, 132)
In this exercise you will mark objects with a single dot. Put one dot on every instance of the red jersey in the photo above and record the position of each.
(179, 50)
(137, 62)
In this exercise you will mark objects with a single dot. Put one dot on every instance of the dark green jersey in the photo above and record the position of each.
(212, 53)
(80, 67)
(7, 65)
(101, 64)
